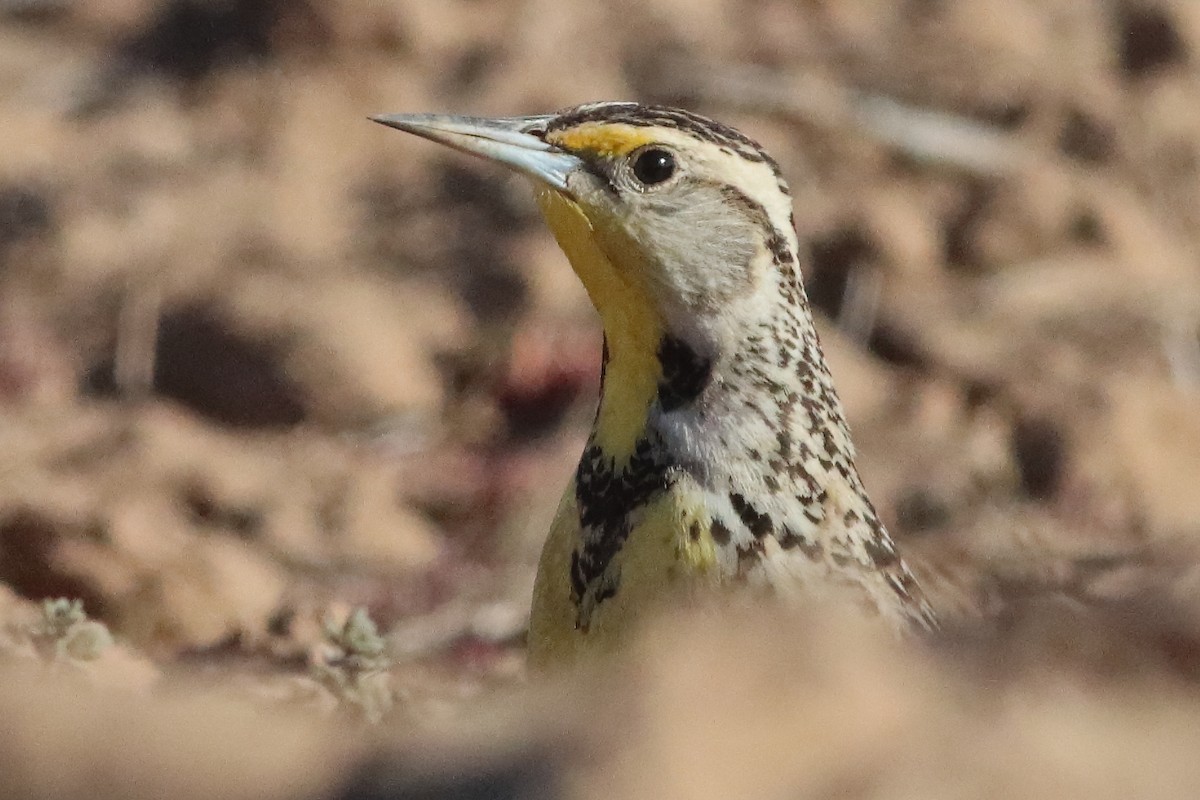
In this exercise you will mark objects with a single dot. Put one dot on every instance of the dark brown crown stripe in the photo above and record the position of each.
(665, 117)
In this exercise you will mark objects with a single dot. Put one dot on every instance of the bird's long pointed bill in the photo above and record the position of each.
(504, 140)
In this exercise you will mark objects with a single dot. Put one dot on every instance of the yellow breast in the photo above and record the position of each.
(669, 551)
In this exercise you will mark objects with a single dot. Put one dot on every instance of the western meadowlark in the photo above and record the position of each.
(719, 452)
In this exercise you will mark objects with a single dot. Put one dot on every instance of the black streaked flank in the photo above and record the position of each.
(789, 539)
(881, 552)
(780, 252)
(685, 373)
(760, 524)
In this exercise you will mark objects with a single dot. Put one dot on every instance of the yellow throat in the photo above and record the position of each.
(632, 325)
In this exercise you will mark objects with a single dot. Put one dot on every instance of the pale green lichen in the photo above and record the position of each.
(65, 634)
(355, 667)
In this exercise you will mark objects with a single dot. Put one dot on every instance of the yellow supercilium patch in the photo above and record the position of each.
(601, 140)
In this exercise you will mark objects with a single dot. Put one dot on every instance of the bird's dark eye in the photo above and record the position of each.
(653, 166)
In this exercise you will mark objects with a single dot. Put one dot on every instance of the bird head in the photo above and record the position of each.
(675, 223)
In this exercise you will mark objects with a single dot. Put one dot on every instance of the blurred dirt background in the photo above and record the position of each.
(263, 362)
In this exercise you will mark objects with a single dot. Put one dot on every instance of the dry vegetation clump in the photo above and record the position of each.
(262, 362)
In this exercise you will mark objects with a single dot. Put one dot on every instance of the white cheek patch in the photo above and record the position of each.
(703, 248)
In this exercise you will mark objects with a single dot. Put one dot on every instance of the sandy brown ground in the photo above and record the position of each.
(262, 363)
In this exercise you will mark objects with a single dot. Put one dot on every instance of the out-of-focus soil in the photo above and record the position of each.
(262, 362)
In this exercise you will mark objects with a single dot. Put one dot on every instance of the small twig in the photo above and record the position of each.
(137, 335)
(493, 623)
(860, 304)
(938, 136)
(1181, 344)
(927, 135)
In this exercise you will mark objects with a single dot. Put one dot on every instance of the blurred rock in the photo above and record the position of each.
(1155, 454)
(1147, 39)
(201, 362)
